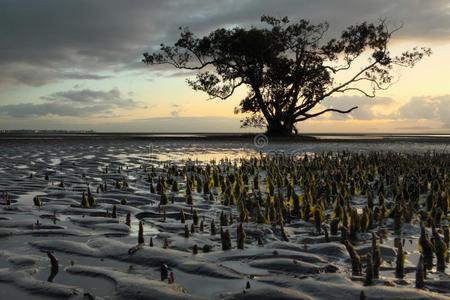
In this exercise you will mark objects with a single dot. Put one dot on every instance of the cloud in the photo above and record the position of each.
(160, 125)
(427, 108)
(19, 73)
(367, 107)
(177, 110)
(72, 103)
(86, 76)
(416, 108)
(178, 124)
(46, 38)
(175, 113)
(113, 97)
(414, 128)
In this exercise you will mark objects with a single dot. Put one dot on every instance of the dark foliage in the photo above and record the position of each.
(288, 68)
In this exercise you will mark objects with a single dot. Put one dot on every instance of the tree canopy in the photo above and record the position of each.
(289, 68)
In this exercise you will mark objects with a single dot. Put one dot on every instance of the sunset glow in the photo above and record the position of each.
(64, 78)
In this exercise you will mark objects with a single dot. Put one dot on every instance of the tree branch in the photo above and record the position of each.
(308, 116)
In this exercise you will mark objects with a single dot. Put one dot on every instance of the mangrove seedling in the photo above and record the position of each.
(362, 296)
(334, 226)
(446, 239)
(202, 225)
(54, 266)
(256, 182)
(189, 200)
(186, 231)
(223, 220)
(213, 228)
(318, 220)
(36, 225)
(369, 271)
(441, 251)
(284, 234)
(163, 200)
(226, 240)
(195, 218)
(164, 270)
(128, 219)
(114, 212)
(376, 256)
(400, 262)
(260, 241)
(420, 274)
(175, 187)
(355, 259)
(141, 234)
(182, 217)
(240, 236)
(326, 235)
(84, 201)
(37, 201)
(397, 220)
(207, 248)
(344, 234)
(91, 199)
(152, 189)
(426, 249)
(206, 187)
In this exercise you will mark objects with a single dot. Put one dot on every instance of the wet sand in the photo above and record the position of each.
(92, 247)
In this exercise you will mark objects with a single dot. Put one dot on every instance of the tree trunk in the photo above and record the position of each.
(277, 128)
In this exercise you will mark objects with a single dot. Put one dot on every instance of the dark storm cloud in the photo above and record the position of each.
(41, 39)
(112, 97)
(32, 75)
(73, 103)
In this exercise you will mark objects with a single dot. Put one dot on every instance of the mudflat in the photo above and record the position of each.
(222, 217)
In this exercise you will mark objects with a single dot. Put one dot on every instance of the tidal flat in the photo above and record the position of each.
(202, 218)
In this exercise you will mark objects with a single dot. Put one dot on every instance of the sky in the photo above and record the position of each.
(76, 65)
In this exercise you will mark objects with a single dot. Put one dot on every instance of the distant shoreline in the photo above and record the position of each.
(247, 137)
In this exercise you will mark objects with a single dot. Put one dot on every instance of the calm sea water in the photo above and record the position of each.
(206, 147)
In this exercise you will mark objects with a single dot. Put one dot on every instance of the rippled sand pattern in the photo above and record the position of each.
(93, 247)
